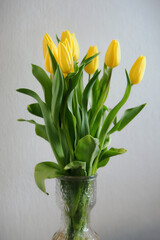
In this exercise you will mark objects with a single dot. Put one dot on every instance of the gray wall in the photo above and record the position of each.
(128, 201)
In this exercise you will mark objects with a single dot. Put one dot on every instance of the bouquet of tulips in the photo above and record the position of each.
(77, 123)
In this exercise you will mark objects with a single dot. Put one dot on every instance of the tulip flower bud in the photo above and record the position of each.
(67, 35)
(94, 64)
(76, 48)
(137, 71)
(65, 59)
(47, 40)
(113, 54)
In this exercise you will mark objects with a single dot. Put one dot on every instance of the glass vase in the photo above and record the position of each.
(75, 196)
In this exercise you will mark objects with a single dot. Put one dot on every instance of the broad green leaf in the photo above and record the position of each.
(69, 101)
(86, 151)
(39, 128)
(127, 117)
(57, 93)
(76, 164)
(112, 114)
(107, 141)
(50, 128)
(41, 131)
(45, 82)
(111, 152)
(53, 60)
(46, 170)
(86, 93)
(35, 109)
(71, 127)
(103, 163)
(106, 154)
(64, 145)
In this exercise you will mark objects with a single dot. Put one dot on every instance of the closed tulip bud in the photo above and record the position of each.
(65, 59)
(137, 71)
(94, 64)
(67, 35)
(113, 54)
(76, 48)
(48, 41)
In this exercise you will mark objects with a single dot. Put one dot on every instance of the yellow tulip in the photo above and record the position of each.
(137, 71)
(67, 35)
(48, 40)
(76, 48)
(94, 64)
(65, 58)
(113, 54)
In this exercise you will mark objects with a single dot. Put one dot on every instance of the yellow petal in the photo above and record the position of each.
(76, 48)
(48, 65)
(94, 64)
(137, 71)
(67, 35)
(65, 59)
(47, 40)
(113, 54)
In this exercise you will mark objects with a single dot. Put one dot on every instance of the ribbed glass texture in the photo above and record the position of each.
(75, 196)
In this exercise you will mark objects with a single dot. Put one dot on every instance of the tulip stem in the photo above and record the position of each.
(64, 126)
(102, 99)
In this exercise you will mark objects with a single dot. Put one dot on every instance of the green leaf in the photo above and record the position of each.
(111, 152)
(127, 117)
(41, 131)
(71, 127)
(76, 112)
(86, 151)
(57, 93)
(53, 60)
(88, 60)
(64, 145)
(112, 114)
(103, 163)
(35, 109)
(107, 141)
(45, 82)
(50, 128)
(58, 40)
(95, 93)
(102, 93)
(80, 89)
(46, 170)
(39, 128)
(75, 165)
(95, 130)
(106, 154)
(73, 78)
(86, 93)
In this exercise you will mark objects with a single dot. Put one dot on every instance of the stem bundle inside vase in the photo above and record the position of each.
(76, 197)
